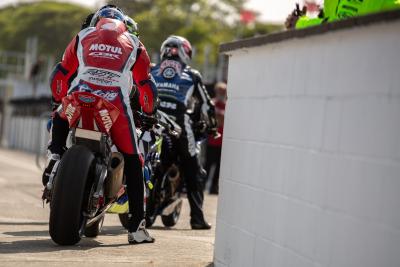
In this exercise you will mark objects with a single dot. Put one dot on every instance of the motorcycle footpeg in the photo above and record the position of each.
(83, 226)
(46, 196)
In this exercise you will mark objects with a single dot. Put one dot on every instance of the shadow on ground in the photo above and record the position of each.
(118, 230)
(47, 245)
(157, 227)
(24, 223)
(43, 245)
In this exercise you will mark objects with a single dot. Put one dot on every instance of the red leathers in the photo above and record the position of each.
(108, 60)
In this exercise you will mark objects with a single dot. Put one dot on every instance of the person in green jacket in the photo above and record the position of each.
(348, 8)
(341, 9)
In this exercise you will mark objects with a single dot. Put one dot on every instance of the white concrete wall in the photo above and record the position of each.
(311, 154)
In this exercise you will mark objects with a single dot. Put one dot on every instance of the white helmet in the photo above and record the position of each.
(176, 46)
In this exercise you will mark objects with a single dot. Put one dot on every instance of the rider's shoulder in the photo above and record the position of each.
(82, 33)
(154, 66)
(195, 73)
(134, 40)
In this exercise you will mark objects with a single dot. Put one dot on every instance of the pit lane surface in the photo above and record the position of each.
(25, 241)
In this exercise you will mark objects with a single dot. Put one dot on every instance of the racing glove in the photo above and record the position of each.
(144, 121)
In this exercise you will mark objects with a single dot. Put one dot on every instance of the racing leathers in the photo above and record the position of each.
(107, 61)
(183, 97)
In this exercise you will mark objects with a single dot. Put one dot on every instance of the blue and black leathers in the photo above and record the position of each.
(181, 91)
(183, 97)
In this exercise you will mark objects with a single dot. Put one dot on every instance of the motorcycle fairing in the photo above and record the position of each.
(89, 111)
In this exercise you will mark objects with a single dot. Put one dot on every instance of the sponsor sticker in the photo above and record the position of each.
(108, 95)
(105, 117)
(102, 77)
(169, 67)
(168, 105)
(169, 73)
(58, 88)
(84, 88)
(105, 51)
(69, 112)
(168, 85)
(86, 99)
(102, 73)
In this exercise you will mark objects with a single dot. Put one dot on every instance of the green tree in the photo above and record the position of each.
(260, 28)
(53, 23)
(200, 21)
(205, 23)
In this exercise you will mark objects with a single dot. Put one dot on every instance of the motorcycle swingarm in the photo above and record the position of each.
(92, 208)
(91, 221)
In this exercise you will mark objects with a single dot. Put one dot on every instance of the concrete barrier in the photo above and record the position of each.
(310, 171)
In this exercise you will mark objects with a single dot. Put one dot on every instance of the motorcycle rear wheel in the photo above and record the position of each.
(66, 216)
(171, 219)
(94, 229)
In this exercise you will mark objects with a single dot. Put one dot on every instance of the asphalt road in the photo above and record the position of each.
(25, 241)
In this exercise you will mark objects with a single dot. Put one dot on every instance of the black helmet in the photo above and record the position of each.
(108, 11)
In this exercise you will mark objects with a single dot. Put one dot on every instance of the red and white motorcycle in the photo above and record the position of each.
(89, 177)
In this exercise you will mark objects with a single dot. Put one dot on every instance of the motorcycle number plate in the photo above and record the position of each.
(87, 134)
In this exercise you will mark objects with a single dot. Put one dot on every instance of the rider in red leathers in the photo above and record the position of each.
(107, 60)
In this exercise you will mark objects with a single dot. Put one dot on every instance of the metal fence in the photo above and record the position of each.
(28, 134)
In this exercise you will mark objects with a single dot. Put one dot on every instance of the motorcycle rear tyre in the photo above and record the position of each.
(94, 229)
(172, 219)
(68, 195)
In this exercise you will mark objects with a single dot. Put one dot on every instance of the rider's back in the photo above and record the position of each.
(175, 88)
(106, 54)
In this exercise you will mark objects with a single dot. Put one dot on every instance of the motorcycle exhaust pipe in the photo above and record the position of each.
(115, 177)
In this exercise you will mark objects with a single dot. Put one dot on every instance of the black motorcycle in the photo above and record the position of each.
(165, 187)
(162, 195)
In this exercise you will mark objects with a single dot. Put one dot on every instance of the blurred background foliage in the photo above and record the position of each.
(205, 23)
(53, 23)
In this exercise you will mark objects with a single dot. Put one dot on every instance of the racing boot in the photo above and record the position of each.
(53, 158)
(201, 226)
(141, 235)
(197, 221)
